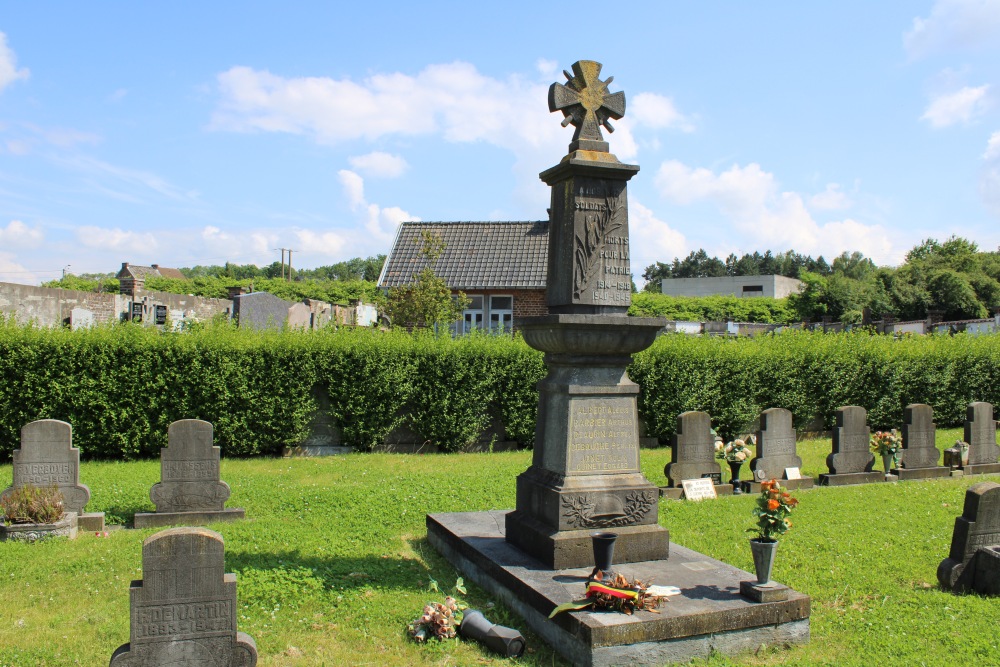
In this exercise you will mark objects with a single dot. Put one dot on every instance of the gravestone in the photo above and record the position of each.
(47, 457)
(981, 434)
(919, 456)
(851, 460)
(183, 610)
(692, 455)
(776, 452)
(978, 528)
(190, 491)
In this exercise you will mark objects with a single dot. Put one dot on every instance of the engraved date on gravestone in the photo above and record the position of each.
(603, 436)
(189, 470)
(43, 474)
(184, 619)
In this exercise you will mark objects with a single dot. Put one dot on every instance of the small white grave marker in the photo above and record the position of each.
(792, 473)
(699, 489)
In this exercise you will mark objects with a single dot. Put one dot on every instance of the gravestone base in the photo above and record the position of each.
(33, 532)
(677, 493)
(769, 592)
(91, 521)
(316, 450)
(921, 473)
(709, 615)
(981, 469)
(845, 479)
(786, 484)
(161, 519)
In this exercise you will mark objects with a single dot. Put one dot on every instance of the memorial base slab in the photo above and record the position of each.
(769, 592)
(709, 615)
(677, 492)
(91, 521)
(981, 469)
(33, 532)
(160, 519)
(921, 473)
(846, 479)
(787, 484)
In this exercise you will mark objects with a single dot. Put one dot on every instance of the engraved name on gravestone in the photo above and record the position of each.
(775, 445)
(693, 453)
(47, 457)
(603, 434)
(183, 610)
(851, 442)
(189, 470)
(979, 526)
(981, 434)
(919, 433)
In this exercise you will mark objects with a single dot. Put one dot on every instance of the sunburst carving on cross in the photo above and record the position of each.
(587, 104)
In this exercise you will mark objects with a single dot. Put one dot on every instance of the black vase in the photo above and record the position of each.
(604, 552)
(734, 474)
(505, 641)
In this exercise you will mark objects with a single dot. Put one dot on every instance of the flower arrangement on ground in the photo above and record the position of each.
(886, 443)
(619, 594)
(736, 451)
(774, 505)
(439, 620)
(32, 504)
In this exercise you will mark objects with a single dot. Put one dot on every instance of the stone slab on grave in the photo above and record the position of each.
(919, 456)
(776, 452)
(981, 434)
(46, 458)
(851, 460)
(978, 528)
(183, 610)
(709, 614)
(190, 491)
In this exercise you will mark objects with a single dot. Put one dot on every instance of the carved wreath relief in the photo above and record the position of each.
(607, 511)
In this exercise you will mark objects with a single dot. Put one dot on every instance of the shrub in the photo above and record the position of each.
(31, 504)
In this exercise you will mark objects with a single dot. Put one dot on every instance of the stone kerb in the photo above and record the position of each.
(977, 528)
(183, 610)
(692, 455)
(851, 460)
(190, 491)
(919, 456)
(776, 452)
(46, 458)
(981, 434)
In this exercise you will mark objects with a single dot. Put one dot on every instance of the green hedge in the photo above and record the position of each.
(121, 386)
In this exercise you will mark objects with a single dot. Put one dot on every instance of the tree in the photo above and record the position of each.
(427, 300)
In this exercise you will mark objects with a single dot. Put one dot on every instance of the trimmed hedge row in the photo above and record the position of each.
(121, 386)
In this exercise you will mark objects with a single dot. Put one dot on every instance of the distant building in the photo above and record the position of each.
(501, 267)
(776, 287)
(132, 277)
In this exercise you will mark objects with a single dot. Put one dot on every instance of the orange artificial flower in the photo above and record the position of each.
(773, 504)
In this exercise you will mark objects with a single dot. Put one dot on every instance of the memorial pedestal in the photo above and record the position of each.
(786, 484)
(709, 615)
(845, 479)
(981, 469)
(921, 473)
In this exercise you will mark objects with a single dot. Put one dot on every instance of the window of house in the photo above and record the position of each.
(501, 313)
(753, 290)
(473, 315)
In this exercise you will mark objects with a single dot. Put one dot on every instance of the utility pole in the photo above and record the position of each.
(282, 262)
(289, 265)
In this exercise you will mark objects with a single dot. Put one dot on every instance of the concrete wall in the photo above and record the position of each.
(776, 287)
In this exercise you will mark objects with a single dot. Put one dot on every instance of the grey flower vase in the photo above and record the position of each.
(763, 558)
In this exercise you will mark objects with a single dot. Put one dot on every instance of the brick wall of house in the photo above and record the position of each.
(529, 303)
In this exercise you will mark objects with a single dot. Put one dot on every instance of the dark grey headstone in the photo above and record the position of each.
(979, 526)
(919, 446)
(851, 443)
(981, 434)
(693, 454)
(189, 470)
(775, 445)
(183, 610)
(46, 458)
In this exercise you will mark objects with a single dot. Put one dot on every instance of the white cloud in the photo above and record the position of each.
(104, 238)
(17, 234)
(354, 188)
(989, 181)
(9, 73)
(651, 239)
(379, 164)
(955, 24)
(992, 147)
(12, 271)
(960, 106)
(770, 218)
(140, 181)
(547, 68)
(657, 111)
(380, 222)
(831, 199)
(322, 243)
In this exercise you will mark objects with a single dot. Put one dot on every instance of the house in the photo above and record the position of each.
(776, 287)
(132, 277)
(501, 267)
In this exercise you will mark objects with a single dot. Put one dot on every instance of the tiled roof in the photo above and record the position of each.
(477, 255)
(136, 271)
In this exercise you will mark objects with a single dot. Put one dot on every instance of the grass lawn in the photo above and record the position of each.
(333, 561)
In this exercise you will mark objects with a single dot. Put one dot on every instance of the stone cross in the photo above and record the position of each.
(189, 470)
(183, 610)
(981, 434)
(979, 526)
(46, 458)
(775, 445)
(693, 454)
(851, 442)
(919, 446)
(586, 103)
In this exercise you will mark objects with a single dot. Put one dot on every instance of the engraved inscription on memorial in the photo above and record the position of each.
(180, 471)
(44, 474)
(601, 262)
(178, 620)
(603, 436)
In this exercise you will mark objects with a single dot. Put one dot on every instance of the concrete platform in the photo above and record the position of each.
(159, 519)
(845, 479)
(921, 473)
(709, 614)
(786, 484)
(981, 469)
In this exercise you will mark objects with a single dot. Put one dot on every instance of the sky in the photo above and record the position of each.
(199, 133)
